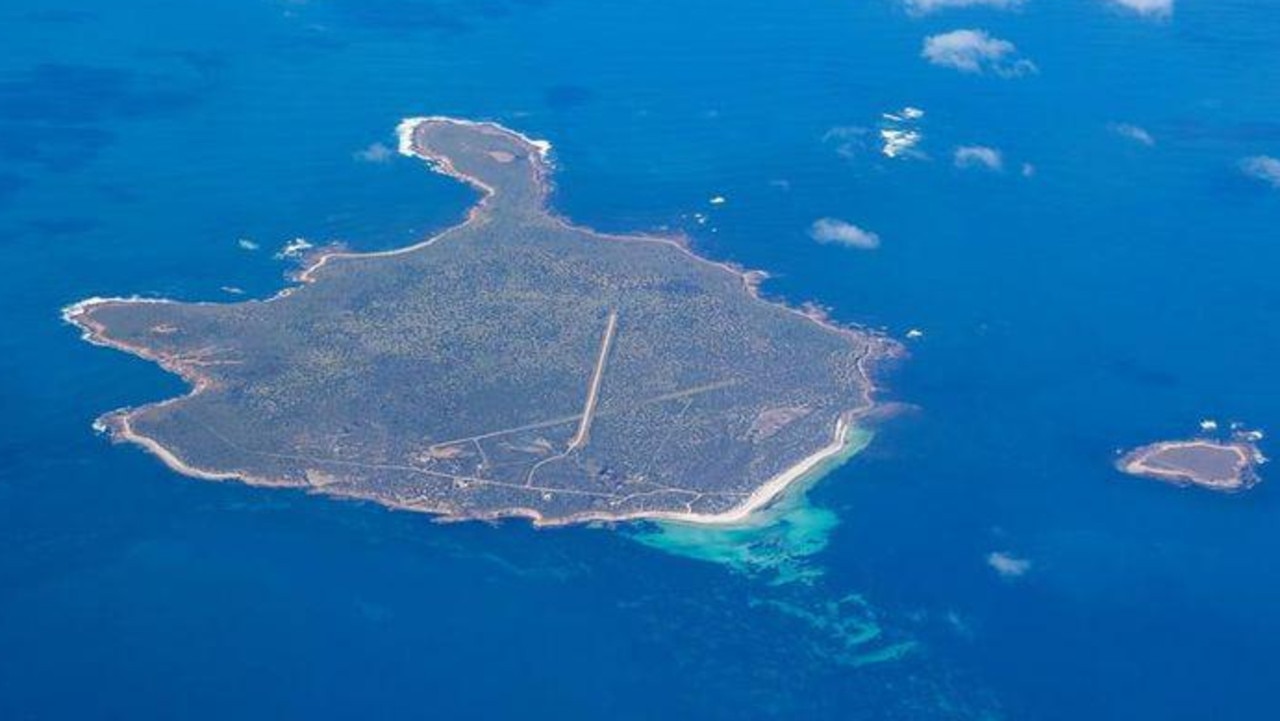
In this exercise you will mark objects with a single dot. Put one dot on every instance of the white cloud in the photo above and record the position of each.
(1007, 564)
(924, 7)
(849, 140)
(979, 156)
(1262, 167)
(900, 134)
(977, 52)
(900, 143)
(896, 135)
(375, 153)
(840, 232)
(1134, 133)
(1148, 8)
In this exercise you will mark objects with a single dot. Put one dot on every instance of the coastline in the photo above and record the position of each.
(879, 349)
(850, 439)
(775, 541)
(1135, 463)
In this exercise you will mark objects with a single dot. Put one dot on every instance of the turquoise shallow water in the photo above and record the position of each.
(1118, 294)
(777, 542)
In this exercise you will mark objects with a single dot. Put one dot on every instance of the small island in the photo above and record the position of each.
(1225, 466)
(512, 365)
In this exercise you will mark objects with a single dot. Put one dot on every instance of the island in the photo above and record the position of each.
(1225, 466)
(514, 365)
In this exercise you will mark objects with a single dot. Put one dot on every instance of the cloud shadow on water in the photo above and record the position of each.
(10, 184)
(58, 227)
(568, 97)
(438, 16)
(58, 116)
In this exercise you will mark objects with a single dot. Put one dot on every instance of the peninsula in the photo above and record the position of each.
(512, 365)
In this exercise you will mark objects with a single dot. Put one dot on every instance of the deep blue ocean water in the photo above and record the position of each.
(1117, 296)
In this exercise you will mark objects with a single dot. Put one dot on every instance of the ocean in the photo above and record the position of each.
(1078, 287)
